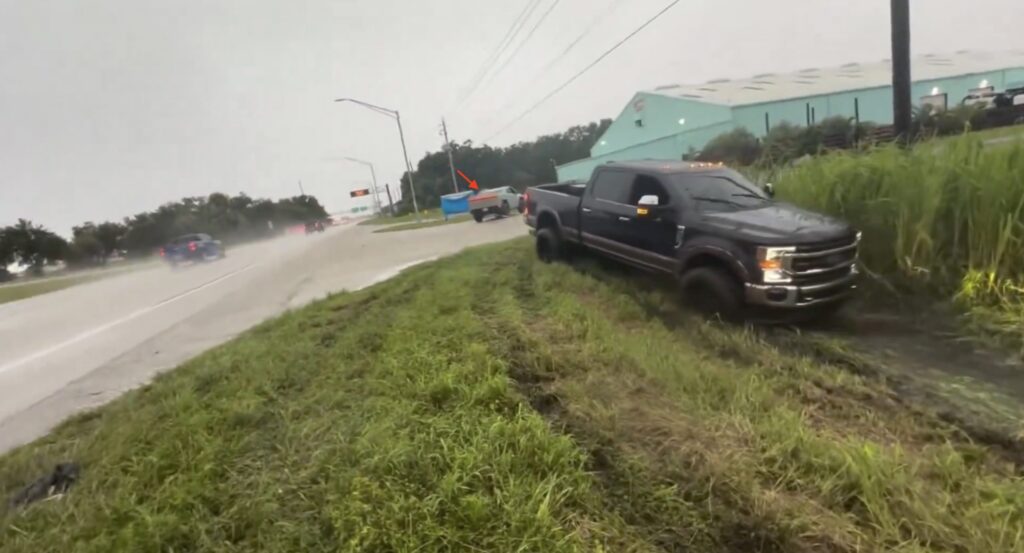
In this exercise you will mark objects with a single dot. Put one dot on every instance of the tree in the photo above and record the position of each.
(738, 146)
(99, 241)
(33, 245)
(7, 254)
(520, 165)
(782, 144)
(837, 132)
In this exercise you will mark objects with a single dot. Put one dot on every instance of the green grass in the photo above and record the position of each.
(492, 403)
(20, 291)
(407, 218)
(425, 224)
(947, 224)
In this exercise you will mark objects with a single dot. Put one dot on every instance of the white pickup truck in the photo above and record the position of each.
(499, 201)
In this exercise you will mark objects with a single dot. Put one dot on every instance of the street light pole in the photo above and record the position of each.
(408, 166)
(376, 191)
(401, 135)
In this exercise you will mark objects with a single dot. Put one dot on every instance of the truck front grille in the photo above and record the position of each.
(822, 262)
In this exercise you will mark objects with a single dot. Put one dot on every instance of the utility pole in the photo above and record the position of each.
(408, 167)
(301, 191)
(391, 204)
(901, 99)
(448, 148)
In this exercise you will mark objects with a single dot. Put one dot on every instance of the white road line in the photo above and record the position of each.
(107, 326)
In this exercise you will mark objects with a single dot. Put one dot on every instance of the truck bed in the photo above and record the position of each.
(569, 188)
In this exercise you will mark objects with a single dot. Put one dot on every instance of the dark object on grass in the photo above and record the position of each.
(54, 484)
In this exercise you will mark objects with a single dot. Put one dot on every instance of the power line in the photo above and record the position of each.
(506, 41)
(593, 24)
(585, 69)
(529, 35)
(611, 6)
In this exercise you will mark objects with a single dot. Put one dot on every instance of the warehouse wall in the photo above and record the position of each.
(875, 103)
(660, 116)
(662, 137)
(667, 148)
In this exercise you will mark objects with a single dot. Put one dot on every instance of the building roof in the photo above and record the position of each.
(667, 167)
(771, 87)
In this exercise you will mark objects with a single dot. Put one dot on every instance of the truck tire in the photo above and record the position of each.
(549, 245)
(478, 216)
(505, 209)
(712, 291)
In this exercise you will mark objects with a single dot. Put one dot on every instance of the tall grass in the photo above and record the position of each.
(947, 220)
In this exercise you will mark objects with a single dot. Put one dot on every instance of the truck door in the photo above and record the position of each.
(656, 236)
(605, 214)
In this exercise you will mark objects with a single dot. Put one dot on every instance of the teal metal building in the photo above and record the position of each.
(674, 119)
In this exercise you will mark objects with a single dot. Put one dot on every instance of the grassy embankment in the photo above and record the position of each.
(22, 290)
(492, 403)
(402, 219)
(948, 225)
(462, 218)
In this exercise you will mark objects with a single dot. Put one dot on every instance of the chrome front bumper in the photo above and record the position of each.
(795, 296)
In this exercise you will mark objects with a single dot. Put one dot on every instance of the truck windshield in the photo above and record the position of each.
(724, 190)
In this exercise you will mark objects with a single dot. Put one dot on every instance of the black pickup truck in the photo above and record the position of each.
(730, 244)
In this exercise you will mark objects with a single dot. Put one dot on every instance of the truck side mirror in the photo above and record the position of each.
(643, 207)
(769, 189)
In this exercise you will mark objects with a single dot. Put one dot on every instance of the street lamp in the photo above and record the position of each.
(398, 119)
(376, 191)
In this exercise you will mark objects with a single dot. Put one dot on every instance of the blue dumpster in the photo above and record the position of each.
(452, 204)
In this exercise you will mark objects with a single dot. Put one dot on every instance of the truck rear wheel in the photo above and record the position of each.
(549, 245)
(478, 216)
(712, 291)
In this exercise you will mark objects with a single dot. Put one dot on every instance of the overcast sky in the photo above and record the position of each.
(110, 107)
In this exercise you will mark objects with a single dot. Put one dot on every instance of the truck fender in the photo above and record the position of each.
(694, 255)
(546, 215)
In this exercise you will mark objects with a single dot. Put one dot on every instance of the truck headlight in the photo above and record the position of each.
(770, 261)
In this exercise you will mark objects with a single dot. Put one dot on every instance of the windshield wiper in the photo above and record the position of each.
(716, 200)
(749, 195)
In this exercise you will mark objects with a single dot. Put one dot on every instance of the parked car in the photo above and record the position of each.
(314, 226)
(494, 200)
(726, 240)
(192, 247)
(984, 100)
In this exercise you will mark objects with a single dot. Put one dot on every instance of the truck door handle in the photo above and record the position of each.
(625, 219)
(586, 210)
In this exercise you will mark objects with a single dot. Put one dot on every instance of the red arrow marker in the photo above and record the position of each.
(472, 183)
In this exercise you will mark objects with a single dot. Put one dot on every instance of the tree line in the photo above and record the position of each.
(520, 165)
(228, 218)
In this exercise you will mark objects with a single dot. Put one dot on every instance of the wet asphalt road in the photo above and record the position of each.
(74, 349)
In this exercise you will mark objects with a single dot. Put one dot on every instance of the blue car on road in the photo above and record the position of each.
(192, 247)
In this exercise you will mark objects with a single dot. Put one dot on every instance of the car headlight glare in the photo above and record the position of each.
(770, 259)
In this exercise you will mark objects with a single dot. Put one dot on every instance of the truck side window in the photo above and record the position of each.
(613, 186)
(647, 186)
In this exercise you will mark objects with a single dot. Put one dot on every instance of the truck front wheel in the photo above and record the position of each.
(712, 291)
(549, 245)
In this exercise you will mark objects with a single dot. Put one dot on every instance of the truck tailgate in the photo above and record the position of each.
(483, 201)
